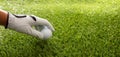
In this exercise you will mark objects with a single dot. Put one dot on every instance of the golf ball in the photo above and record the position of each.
(47, 33)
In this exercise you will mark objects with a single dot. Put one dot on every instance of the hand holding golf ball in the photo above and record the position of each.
(25, 23)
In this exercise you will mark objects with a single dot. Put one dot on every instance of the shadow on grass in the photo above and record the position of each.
(44, 49)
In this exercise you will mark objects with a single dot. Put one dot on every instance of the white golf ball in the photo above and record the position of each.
(47, 33)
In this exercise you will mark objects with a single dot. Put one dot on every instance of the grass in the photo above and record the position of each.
(84, 28)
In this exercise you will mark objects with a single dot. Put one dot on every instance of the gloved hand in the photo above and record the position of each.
(25, 24)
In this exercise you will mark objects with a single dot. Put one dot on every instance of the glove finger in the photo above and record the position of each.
(34, 32)
(44, 22)
(30, 31)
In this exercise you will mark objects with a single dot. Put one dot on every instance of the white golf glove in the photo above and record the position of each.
(25, 24)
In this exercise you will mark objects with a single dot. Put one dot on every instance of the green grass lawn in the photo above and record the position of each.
(84, 28)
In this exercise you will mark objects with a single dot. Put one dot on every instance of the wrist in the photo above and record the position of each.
(4, 18)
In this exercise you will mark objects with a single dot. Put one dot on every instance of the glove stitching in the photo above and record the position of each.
(19, 16)
(33, 18)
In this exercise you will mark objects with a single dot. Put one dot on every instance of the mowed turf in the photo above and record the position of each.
(83, 29)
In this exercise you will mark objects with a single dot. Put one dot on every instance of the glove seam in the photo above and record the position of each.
(33, 18)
